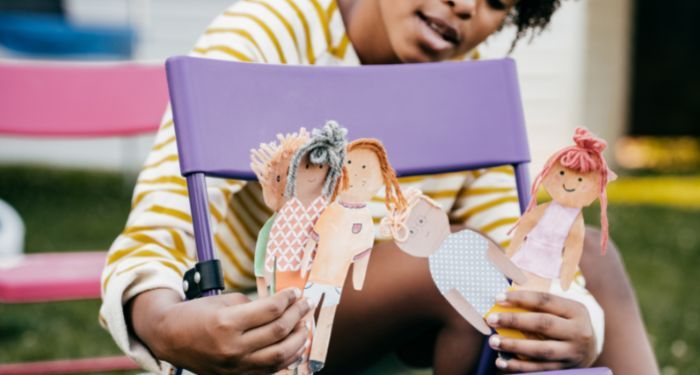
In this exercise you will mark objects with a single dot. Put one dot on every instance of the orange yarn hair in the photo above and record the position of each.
(394, 196)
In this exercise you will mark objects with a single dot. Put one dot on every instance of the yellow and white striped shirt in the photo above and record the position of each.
(157, 245)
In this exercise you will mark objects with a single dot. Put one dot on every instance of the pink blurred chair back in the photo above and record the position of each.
(80, 99)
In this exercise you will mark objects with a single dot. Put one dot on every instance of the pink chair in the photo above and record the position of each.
(72, 100)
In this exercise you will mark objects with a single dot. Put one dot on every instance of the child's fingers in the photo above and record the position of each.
(544, 302)
(281, 354)
(540, 323)
(264, 310)
(278, 329)
(518, 365)
(534, 349)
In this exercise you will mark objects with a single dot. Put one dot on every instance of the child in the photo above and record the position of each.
(142, 297)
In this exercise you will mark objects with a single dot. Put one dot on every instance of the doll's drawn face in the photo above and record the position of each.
(436, 30)
(427, 227)
(364, 176)
(310, 178)
(571, 188)
(273, 195)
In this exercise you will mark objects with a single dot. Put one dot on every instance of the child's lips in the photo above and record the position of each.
(441, 34)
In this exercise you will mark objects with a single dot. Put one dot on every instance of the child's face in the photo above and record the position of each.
(310, 179)
(364, 176)
(570, 188)
(427, 227)
(436, 30)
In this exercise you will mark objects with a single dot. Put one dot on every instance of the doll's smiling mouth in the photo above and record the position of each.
(568, 190)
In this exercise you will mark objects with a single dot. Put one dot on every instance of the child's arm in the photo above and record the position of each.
(573, 248)
(222, 334)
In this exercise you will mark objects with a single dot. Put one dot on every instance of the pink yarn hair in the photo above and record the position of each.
(585, 156)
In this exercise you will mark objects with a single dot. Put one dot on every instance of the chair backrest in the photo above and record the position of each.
(432, 118)
(80, 99)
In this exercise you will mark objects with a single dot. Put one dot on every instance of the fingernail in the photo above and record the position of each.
(492, 319)
(501, 363)
(495, 341)
(310, 303)
(297, 292)
(501, 297)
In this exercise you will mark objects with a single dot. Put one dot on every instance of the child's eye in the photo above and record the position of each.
(580, 179)
(349, 161)
(320, 166)
(497, 4)
(561, 173)
(307, 166)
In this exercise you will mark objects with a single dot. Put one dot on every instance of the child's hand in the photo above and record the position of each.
(226, 333)
(568, 335)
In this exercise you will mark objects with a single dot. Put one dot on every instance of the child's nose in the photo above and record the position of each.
(464, 9)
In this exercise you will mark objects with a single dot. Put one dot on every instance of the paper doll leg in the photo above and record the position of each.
(261, 285)
(322, 337)
(468, 312)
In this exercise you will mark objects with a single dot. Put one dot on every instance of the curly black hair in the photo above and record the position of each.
(531, 16)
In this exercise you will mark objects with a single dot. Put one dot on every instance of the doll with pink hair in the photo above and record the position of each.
(548, 240)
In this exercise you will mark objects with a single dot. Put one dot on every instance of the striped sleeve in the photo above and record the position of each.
(488, 202)
(157, 244)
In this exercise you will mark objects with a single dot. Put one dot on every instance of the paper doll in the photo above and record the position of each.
(344, 235)
(466, 266)
(270, 163)
(548, 239)
(313, 174)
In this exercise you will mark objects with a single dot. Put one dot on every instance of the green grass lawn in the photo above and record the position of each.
(74, 210)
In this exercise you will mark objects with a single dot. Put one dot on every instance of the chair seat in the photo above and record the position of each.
(52, 277)
(70, 366)
(583, 371)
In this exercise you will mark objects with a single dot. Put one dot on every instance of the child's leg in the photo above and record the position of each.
(625, 335)
(398, 303)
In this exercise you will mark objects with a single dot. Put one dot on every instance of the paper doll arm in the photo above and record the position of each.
(467, 311)
(504, 264)
(527, 222)
(359, 269)
(306, 259)
(573, 249)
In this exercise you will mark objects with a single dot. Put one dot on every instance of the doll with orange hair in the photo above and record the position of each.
(344, 235)
(548, 240)
(270, 162)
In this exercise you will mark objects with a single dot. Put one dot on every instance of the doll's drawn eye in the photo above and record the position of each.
(364, 167)
(279, 178)
(349, 161)
(561, 173)
(580, 179)
(411, 232)
(307, 166)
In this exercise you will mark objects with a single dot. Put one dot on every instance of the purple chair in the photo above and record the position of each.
(432, 118)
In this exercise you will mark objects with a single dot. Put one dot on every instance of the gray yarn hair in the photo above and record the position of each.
(326, 146)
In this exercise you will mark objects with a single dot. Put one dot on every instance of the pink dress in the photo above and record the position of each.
(541, 251)
(289, 234)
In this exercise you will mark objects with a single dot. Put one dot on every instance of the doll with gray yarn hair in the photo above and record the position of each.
(313, 175)
(326, 147)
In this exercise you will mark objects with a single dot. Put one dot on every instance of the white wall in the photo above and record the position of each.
(574, 74)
